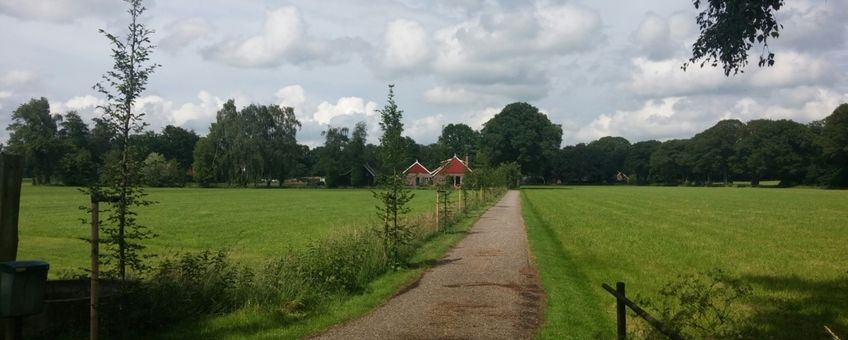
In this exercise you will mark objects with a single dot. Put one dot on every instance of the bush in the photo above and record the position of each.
(157, 172)
(701, 306)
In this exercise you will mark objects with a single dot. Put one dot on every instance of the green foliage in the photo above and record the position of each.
(394, 232)
(776, 149)
(122, 86)
(257, 143)
(332, 162)
(203, 167)
(637, 163)
(77, 166)
(835, 133)
(522, 134)
(730, 28)
(458, 139)
(357, 155)
(32, 134)
(156, 171)
(392, 144)
(703, 305)
(716, 150)
(672, 162)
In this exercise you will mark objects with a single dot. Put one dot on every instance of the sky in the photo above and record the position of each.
(597, 68)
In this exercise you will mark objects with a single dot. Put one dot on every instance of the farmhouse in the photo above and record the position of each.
(452, 171)
(416, 175)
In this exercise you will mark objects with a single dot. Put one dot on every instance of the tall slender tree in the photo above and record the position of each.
(122, 86)
(392, 145)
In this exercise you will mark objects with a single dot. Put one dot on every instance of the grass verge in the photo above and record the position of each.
(260, 323)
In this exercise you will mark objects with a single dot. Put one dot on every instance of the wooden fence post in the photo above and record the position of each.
(620, 311)
(438, 208)
(11, 172)
(95, 265)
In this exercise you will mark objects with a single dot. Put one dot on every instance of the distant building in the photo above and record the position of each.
(416, 175)
(452, 172)
(370, 176)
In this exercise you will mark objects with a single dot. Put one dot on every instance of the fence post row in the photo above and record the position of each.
(622, 301)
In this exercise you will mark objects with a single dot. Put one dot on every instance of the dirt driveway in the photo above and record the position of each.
(484, 288)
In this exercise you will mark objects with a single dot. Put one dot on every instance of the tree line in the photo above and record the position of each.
(257, 145)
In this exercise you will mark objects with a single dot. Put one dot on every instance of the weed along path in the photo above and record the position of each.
(483, 288)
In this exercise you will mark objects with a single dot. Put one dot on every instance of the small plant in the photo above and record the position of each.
(702, 305)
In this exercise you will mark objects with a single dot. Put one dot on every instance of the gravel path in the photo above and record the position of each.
(484, 288)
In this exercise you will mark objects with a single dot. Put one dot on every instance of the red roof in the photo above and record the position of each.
(416, 168)
(453, 166)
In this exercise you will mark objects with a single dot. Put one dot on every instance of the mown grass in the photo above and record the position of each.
(252, 224)
(262, 323)
(791, 245)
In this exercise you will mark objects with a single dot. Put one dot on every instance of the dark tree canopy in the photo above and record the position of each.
(776, 149)
(730, 28)
(459, 139)
(716, 151)
(835, 133)
(33, 136)
(522, 134)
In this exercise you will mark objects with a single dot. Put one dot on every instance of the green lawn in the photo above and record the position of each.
(252, 223)
(791, 245)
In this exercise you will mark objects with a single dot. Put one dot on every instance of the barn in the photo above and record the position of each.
(416, 175)
(452, 171)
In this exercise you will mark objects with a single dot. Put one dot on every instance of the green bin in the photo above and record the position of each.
(22, 287)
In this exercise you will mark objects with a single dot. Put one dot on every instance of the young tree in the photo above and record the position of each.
(122, 86)
(33, 136)
(392, 144)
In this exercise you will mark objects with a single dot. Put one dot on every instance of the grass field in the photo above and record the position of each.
(791, 245)
(252, 224)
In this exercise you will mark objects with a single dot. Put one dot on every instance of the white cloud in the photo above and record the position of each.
(801, 105)
(453, 96)
(660, 119)
(3, 96)
(201, 113)
(425, 128)
(407, 46)
(659, 37)
(345, 106)
(14, 78)
(683, 117)
(292, 96)
(812, 25)
(59, 10)
(85, 106)
(283, 39)
(495, 50)
(665, 78)
(181, 33)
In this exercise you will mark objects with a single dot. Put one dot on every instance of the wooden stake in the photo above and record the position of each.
(95, 265)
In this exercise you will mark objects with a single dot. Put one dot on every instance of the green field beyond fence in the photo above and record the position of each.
(253, 224)
(791, 245)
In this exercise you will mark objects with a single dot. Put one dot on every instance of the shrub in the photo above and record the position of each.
(702, 305)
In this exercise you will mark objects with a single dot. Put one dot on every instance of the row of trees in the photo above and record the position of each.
(258, 145)
(64, 148)
(793, 153)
